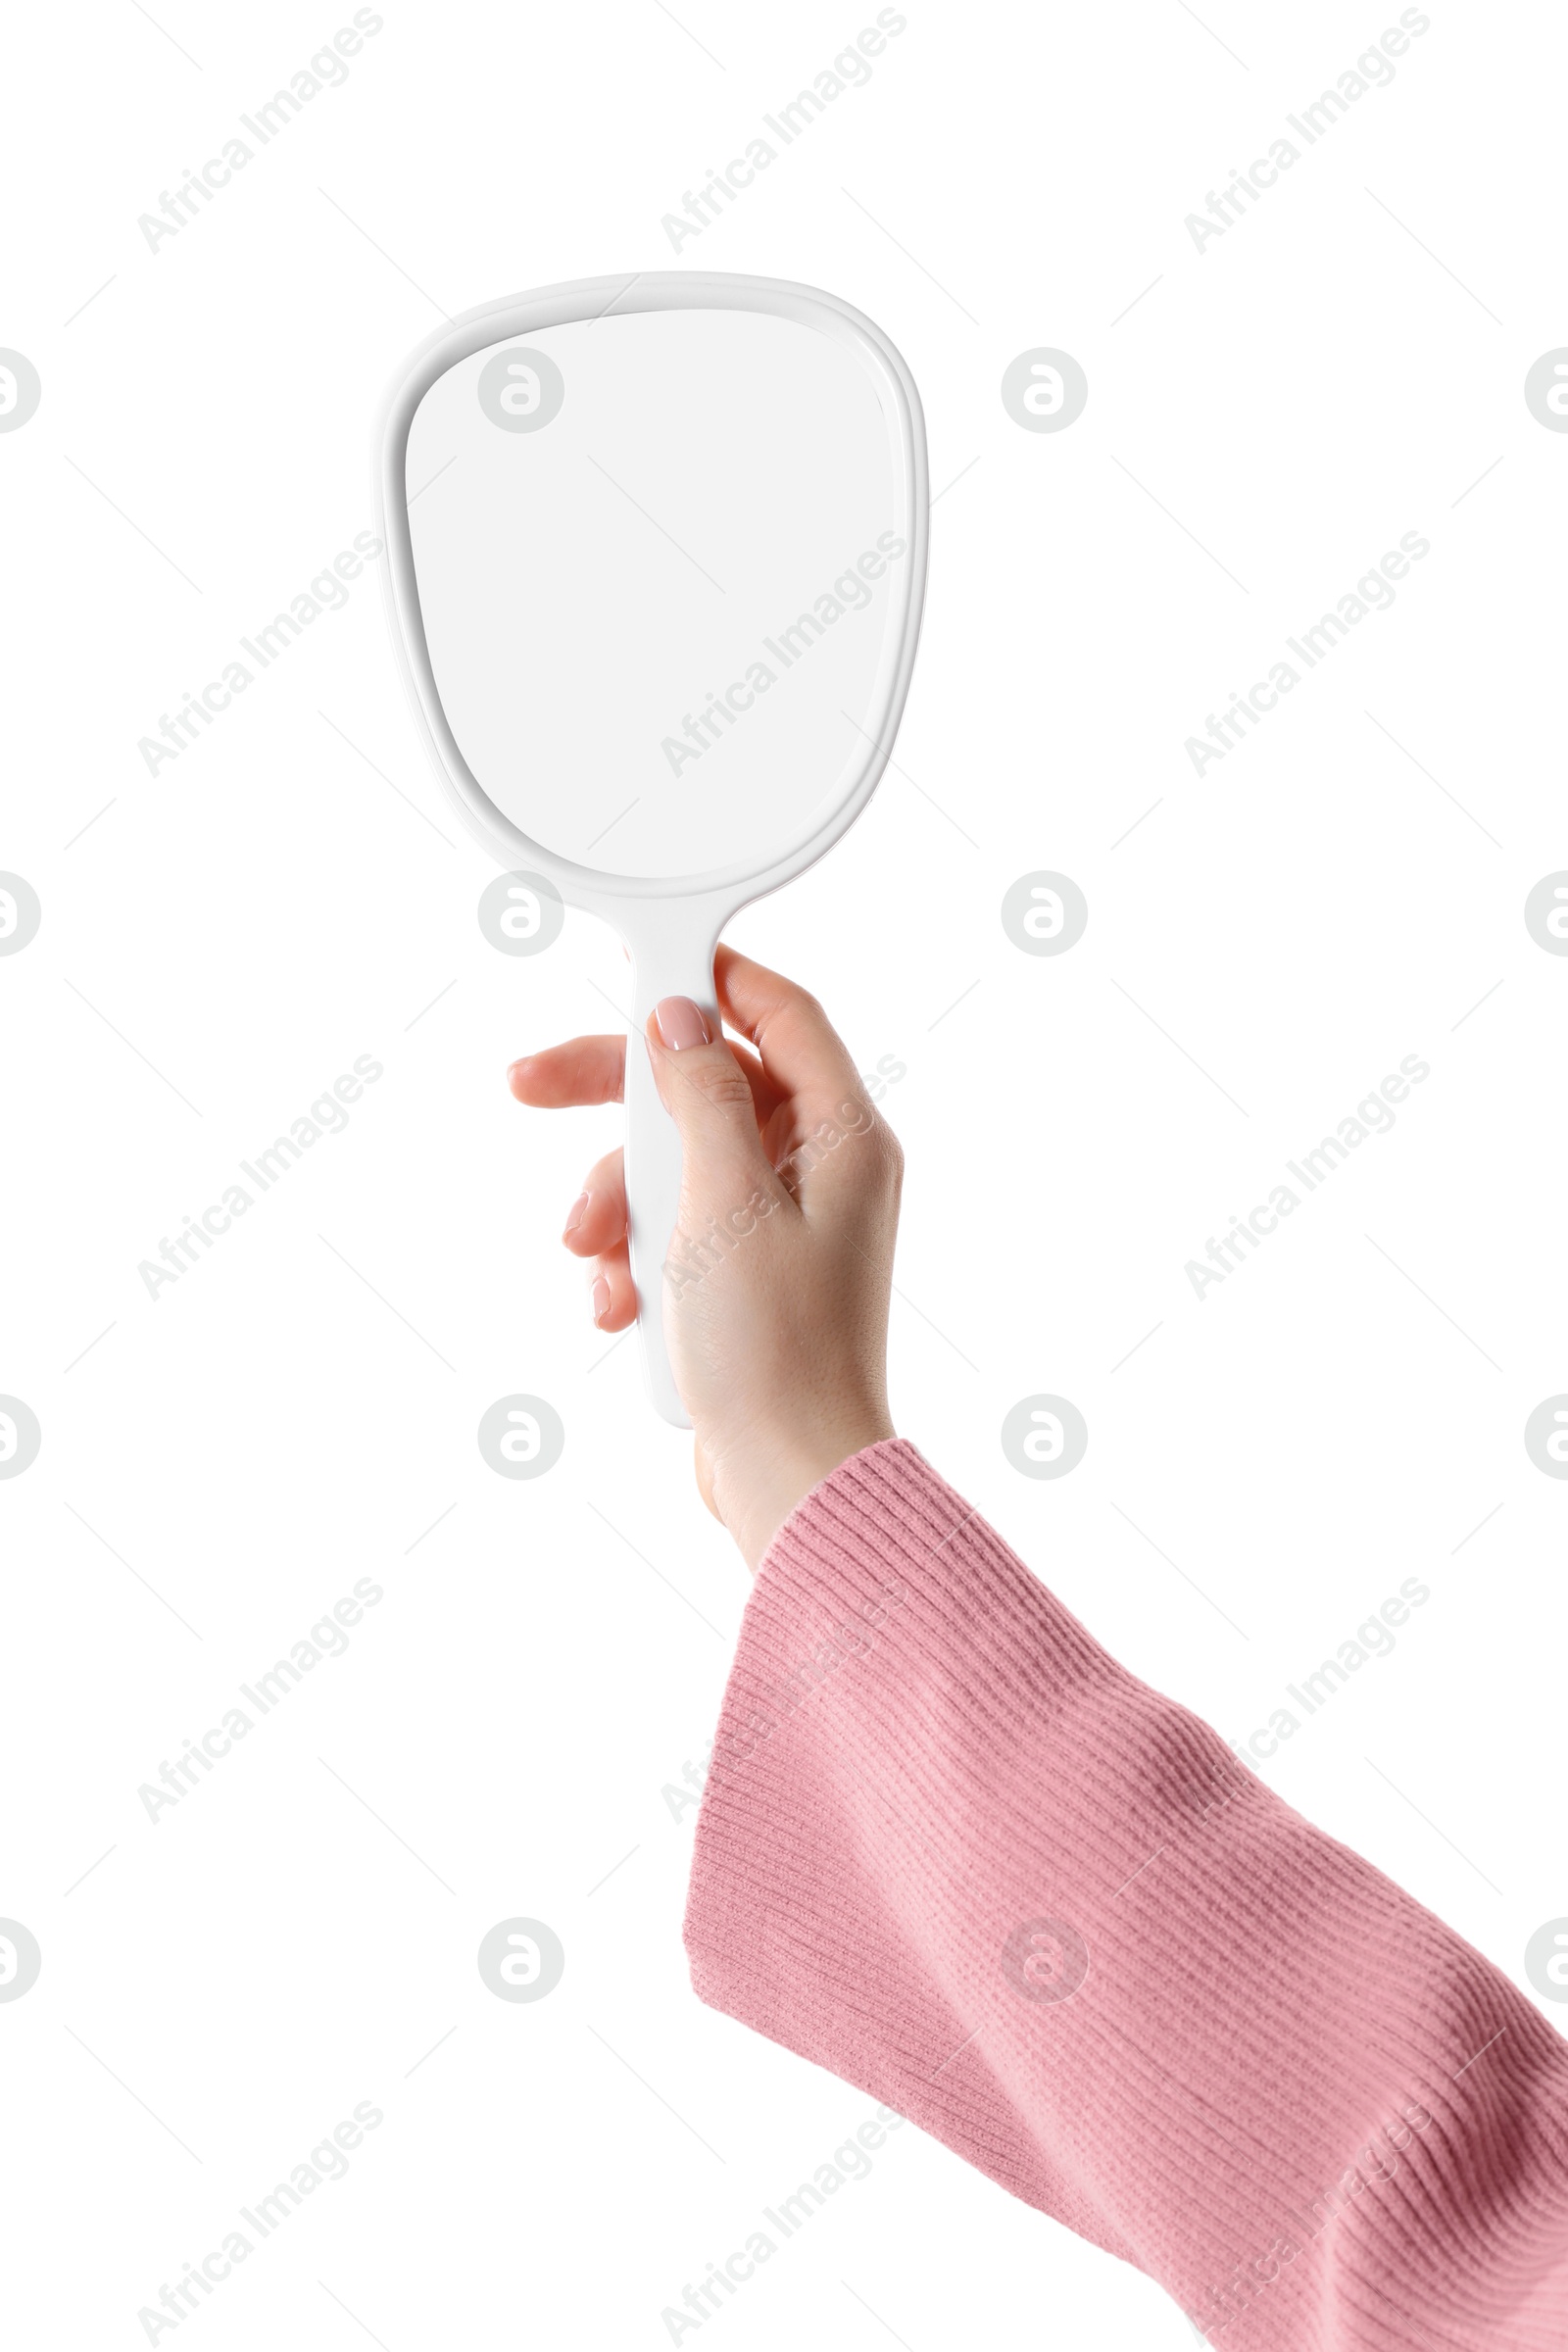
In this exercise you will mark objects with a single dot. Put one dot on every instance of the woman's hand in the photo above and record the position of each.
(776, 1280)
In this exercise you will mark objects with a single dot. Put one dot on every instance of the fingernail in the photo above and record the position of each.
(681, 1023)
(600, 1300)
(514, 1070)
(576, 1213)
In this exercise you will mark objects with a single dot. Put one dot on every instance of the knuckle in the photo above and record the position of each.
(722, 1082)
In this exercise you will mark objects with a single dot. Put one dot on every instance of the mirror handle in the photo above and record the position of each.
(679, 963)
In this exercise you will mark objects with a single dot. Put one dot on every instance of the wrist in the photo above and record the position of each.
(758, 1498)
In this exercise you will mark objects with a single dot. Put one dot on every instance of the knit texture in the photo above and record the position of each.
(952, 1851)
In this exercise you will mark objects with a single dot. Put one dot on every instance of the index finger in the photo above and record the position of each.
(592, 1069)
(802, 1051)
(585, 1069)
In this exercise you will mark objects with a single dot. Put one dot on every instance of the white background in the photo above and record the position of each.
(1343, 366)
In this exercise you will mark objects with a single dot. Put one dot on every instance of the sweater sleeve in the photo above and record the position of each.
(952, 1851)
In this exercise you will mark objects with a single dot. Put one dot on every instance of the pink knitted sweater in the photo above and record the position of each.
(953, 1853)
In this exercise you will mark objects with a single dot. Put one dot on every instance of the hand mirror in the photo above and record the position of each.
(656, 556)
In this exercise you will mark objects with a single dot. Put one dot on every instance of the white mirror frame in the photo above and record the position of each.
(670, 924)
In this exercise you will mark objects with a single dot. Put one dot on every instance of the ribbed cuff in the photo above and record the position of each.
(950, 1850)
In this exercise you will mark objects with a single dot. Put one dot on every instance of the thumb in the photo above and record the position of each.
(708, 1095)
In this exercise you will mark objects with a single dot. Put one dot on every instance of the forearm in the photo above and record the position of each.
(949, 1849)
